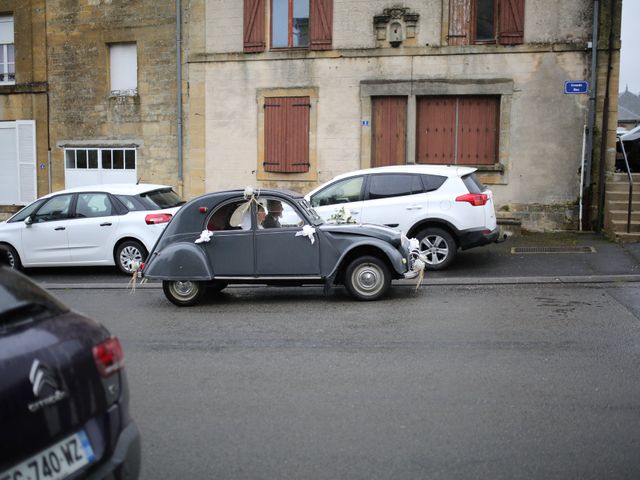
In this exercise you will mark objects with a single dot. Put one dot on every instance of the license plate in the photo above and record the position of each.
(56, 462)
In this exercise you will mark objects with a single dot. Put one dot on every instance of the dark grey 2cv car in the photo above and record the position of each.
(220, 238)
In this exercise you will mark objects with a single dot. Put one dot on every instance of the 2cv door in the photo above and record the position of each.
(281, 248)
(231, 247)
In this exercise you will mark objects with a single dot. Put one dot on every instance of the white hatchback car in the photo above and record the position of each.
(92, 225)
(444, 207)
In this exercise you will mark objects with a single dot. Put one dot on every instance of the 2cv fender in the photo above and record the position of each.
(184, 270)
(178, 261)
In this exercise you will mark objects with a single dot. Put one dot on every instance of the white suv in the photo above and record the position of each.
(445, 207)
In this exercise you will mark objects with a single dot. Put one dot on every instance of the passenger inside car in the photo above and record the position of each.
(272, 220)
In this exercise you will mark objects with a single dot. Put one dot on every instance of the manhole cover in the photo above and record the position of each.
(553, 250)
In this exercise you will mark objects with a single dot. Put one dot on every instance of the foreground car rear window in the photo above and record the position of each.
(21, 299)
(154, 200)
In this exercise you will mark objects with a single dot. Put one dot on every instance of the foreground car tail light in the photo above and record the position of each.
(154, 218)
(108, 356)
(475, 199)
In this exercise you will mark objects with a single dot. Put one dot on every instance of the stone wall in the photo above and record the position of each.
(83, 108)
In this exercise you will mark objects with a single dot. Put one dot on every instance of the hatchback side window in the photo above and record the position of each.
(56, 208)
(394, 185)
(93, 205)
(343, 191)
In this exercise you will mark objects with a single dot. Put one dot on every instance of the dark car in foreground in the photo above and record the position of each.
(272, 237)
(64, 400)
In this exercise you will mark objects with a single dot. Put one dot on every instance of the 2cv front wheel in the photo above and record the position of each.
(183, 293)
(367, 278)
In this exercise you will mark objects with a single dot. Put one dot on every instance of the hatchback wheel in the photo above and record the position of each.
(12, 256)
(128, 253)
(183, 293)
(367, 278)
(438, 246)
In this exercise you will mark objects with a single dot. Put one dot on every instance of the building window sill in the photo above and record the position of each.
(133, 92)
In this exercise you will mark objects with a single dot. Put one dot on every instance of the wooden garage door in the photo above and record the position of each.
(389, 131)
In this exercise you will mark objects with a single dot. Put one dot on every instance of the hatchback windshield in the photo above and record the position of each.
(154, 200)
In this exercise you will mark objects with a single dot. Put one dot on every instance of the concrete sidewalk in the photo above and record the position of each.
(602, 262)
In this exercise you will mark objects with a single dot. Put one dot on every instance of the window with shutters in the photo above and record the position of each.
(486, 21)
(302, 24)
(7, 51)
(457, 130)
(286, 135)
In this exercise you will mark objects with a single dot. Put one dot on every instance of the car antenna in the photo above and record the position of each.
(138, 182)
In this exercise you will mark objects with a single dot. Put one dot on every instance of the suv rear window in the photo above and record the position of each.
(473, 184)
(154, 200)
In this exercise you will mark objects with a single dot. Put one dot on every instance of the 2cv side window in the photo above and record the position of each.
(277, 214)
(231, 216)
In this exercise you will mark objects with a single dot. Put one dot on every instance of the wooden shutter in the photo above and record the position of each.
(436, 130)
(254, 20)
(477, 130)
(511, 22)
(321, 24)
(459, 22)
(389, 131)
(286, 134)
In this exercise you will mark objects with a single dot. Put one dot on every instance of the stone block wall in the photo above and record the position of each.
(84, 110)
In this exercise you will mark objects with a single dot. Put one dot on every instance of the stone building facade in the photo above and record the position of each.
(288, 94)
(24, 127)
(97, 81)
(436, 81)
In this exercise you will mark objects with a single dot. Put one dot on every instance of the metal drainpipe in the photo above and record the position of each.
(592, 116)
(605, 122)
(179, 79)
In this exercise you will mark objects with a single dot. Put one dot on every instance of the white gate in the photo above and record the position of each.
(18, 182)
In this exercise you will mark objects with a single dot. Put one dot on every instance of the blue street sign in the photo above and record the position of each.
(365, 123)
(576, 87)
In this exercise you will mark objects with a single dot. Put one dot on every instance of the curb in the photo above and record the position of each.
(476, 281)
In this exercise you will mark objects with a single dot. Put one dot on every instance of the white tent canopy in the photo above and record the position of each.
(631, 135)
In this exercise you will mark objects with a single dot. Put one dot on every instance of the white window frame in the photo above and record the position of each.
(123, 69)
(7, 41)
(86, 175)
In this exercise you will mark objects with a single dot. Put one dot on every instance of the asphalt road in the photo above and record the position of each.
(517, 381)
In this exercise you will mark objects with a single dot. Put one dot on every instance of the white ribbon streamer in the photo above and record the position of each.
(205, 236)
(307, 231)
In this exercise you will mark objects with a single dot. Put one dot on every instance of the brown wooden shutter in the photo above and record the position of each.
(388, 139)
(286, 134)
(459, 22)
(477, 130)
(436, 130)
(254, 20)
(321, 24)
(511, 22)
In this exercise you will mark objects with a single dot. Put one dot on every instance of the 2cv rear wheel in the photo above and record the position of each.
(183, 293)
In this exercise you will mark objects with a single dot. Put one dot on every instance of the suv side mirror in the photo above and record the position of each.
(28, 221)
